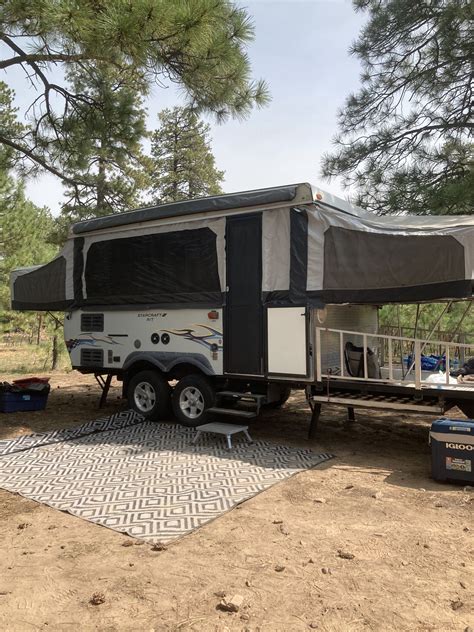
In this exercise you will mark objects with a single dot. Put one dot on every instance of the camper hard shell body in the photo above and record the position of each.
(240, 297)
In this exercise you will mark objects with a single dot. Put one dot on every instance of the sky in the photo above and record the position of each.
(301, 50)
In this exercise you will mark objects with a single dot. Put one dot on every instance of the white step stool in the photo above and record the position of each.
(224, 429)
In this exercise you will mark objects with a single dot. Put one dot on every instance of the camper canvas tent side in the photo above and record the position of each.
(220, 293)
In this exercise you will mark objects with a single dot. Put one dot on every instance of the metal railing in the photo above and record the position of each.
(437, 339)
(452, 351)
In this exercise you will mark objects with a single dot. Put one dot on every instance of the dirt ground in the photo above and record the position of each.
(410, 541)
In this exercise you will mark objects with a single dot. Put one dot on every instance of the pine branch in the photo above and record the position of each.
(22, 149)
(38, 57)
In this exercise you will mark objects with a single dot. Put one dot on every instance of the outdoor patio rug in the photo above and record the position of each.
(142, 478)
(25, 442)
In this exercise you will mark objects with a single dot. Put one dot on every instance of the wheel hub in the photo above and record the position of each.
(191, 402)
(144, 397)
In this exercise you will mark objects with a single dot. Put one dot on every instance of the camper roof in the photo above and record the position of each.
(302, 193)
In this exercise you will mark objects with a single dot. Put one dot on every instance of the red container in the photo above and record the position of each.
(25, 381)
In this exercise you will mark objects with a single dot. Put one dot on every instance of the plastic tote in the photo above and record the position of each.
(25, 395)
(14, 402)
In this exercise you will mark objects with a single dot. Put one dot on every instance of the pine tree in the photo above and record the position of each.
(26, 232)
(108, 160)
(16, 214)
(201, 46)
(406, 136)
(10, 127)
(183, 166)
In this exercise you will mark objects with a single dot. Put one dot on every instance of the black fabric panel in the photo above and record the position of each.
(276, 297)
(414, 294)
(43, 288)
(298, 254)
(243, 330)
(78, 269)
(53, 306)
(161, 300)
(364, 260)
(142, 306)
(190, 207)
(175, 267)
(281, 298)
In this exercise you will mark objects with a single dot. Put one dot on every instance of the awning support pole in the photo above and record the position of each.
(456, 330)
(401, 343)
(462, 357)
(415, 331)
(448, 305)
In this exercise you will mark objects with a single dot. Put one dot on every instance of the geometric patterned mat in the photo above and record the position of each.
(148, 479)
(25, 442)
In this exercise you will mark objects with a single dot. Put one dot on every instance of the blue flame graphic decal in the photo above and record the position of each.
(212, 338)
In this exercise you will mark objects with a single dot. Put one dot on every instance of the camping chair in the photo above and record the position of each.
(354, 359)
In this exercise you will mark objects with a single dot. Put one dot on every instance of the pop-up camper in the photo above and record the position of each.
(241, 297)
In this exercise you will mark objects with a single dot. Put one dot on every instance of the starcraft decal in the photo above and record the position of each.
(212, 338)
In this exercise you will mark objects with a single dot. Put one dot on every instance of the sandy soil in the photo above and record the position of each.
(411, 540)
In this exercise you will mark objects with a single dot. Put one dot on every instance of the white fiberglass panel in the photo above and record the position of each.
(287, 341)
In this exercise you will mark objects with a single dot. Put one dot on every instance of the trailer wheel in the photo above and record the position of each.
(192, 396)
(148, 393)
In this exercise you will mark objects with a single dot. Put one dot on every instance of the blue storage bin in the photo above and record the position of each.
(452, 450)
(11, 402)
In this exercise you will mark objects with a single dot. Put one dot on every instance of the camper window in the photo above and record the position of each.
(174, 267)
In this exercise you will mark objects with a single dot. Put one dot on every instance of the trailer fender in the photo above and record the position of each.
(166, 360)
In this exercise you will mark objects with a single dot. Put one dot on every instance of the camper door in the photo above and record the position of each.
(289, 343)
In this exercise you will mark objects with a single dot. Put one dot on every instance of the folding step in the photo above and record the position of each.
(246, 399)
(234, 412)
(251, 397)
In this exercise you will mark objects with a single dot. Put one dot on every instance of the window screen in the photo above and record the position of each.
(43, 288)
(357, 259)
(176, 267)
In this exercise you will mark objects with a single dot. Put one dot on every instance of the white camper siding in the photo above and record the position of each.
(169, 334)
(350, 318)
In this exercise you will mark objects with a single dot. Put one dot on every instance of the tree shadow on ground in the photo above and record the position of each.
(380, 441)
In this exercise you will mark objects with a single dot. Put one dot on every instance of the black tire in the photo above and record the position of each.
(285, 392)
(192, 396)
(148, 393)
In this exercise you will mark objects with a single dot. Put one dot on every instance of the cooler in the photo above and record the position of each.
(452, 450)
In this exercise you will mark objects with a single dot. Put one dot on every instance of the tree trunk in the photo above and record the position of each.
(101, 177)
(175, 163)
(55, 353)
(101, 186)
(38, 334)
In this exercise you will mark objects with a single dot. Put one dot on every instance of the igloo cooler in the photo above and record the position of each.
(452, 450)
